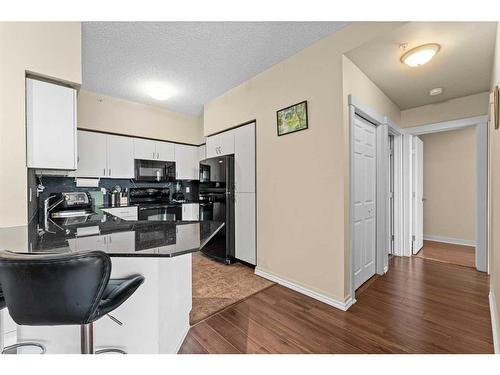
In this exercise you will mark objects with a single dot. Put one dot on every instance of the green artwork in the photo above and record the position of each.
(292, 119)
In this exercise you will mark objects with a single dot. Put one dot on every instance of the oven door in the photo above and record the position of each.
(160, 213)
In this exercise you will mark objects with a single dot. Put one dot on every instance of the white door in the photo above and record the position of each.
(51, 125)
(418, 194)
(91, 154)
(165, 151)
(186, 162)
(244, 231)
(145, 149)
(120, 157)
(244, 159)
(364, 203)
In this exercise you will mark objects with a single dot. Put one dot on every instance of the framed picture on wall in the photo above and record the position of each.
(292, 119)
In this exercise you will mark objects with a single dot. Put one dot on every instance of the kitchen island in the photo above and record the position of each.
(156, 318)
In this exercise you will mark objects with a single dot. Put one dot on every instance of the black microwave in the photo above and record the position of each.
(154, 170)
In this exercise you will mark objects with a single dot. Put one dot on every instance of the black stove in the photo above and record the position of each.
(155, 205)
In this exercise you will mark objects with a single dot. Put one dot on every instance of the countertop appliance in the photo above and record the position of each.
(217, 204)
(70, 204)
(154, 170)
(154, 204)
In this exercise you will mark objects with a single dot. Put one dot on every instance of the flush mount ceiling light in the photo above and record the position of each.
(420, 55)
(436, 91)
(160, 91)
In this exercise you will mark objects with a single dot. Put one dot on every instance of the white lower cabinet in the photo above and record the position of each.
(187, 237)
(99, 243)
(245, 241)
(123, 242)
(190, 212)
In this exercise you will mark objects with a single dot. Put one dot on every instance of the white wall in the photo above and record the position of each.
(110, 114)
(52, 49)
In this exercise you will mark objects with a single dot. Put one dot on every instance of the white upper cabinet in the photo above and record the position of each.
(186, 162)
(51, 125)
(220, 144)
(144, 149)
(244, 159)
(92, 154)
(120, 157)
(165, 151)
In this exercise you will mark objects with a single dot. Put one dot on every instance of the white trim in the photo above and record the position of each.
(447, 125)
(344, 306)
(494, 322)
(481, 220)
(455, 241)
(365, 111)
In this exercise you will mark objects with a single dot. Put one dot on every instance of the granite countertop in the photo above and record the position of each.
(106, 232)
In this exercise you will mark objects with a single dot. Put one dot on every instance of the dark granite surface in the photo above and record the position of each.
(106, 232)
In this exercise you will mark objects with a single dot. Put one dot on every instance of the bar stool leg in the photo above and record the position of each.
(87, 338)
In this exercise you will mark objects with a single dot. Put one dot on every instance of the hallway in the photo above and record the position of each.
(449, 253)
(419, 306)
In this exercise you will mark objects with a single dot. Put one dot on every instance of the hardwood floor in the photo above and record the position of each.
(419, 306)
(449, 253)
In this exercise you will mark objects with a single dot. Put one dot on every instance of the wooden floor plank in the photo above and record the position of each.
(419, 306)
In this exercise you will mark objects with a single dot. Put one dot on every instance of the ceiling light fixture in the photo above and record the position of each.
(420, 55)
(436, 91)
(160, 91)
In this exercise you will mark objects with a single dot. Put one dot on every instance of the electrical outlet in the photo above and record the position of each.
(188, 189)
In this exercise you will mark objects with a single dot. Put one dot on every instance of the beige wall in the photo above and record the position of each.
(494, 196)
(52, 49)
(450, 184)
(302, 243)
(359, 85)
(106, 113)
(466, 106)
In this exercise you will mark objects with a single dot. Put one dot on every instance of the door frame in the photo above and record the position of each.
(383, 127)
(480, 124)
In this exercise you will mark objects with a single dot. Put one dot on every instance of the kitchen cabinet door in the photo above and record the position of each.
(244, 212)
(186, 162)
(190, 212)
(91, 161)
(220, 144)
(187, 237)
(99, 243)
(120, 157)
(244, 159)
(50, 125)
(121, 242)
(144, 149)
(165, 151)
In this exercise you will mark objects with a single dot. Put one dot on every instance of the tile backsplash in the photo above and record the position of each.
(57, 184)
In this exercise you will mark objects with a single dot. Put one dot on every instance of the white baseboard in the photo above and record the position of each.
(494, 321)
(455, 241)
(344, 306)
(179, 344)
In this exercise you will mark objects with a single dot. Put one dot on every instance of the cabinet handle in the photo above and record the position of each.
(110, 240)
(157, 155)
(105, 241)
(109, 172)
(153, 154)
(104, 172)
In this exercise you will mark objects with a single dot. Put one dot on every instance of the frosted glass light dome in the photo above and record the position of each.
(420, 55)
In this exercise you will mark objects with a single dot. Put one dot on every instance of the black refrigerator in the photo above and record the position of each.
(216, 191)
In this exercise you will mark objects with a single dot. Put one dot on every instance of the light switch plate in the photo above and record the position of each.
(188, 189)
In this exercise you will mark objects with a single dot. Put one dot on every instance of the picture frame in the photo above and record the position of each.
(292, 119)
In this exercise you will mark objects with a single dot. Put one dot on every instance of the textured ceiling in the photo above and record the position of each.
(462, 67)
(200, 60)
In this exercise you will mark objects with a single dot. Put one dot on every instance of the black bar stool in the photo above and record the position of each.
(63, 289)
(12, 349)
